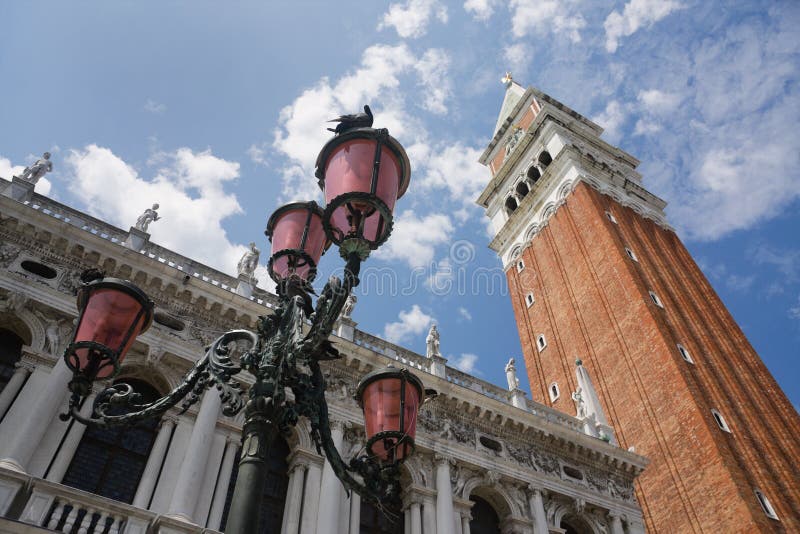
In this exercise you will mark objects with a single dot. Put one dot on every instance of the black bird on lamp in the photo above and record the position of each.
(353, 120)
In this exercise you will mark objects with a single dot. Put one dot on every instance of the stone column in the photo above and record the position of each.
(465, 517)
(616, 522)
(416, 518)
(355, 513)
(203, 507)
(13, 386)
(428, 515)
(308, 519)
(344, 514)
(407, 521)
(64, 455)
(28, 418)
(331, 495)
(536, 502)
(457, 522)
(223, 480)
(150, 476)
(444, 497)
(190, 477)
(294, 499)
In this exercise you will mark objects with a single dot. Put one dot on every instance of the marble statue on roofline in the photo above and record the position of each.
(35, 172)
(144, 220)
(432, 343)
(349, 305)
(511, 375)
(249, 261)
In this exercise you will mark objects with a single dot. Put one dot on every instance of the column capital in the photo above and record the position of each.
(169, 419)
(440, 459)
(25, 365)
(533, 490)
(616, 514)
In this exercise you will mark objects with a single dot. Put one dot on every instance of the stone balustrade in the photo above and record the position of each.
(28, 502)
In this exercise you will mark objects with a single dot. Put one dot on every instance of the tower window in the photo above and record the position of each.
(656, 300)
(541, 342)
(685, 353)
(720, 421)
(766, 505)
(522, 189)
(511, 205)
(529, 300)
(533, 174)
(631, 255)
(520, 266)
(545, 159)
(554, 392)
(611, 217)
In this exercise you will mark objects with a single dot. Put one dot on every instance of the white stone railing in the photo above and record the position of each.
(390, 350)
(60, 508)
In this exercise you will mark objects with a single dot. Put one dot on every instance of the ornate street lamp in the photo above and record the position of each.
(363, 171)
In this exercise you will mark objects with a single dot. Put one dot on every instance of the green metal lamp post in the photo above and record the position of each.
(362, 171)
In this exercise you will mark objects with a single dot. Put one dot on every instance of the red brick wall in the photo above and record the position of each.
(592, 303)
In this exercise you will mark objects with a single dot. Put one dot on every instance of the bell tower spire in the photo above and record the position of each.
(594, 269)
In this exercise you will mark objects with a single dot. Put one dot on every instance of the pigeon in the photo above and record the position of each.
(355, 120)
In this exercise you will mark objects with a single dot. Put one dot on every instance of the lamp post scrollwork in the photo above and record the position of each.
(362, 172)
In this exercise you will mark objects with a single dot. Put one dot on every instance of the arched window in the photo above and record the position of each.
(574, 525)
(545, 159)
(541, 342)
(273, 499)
(110, 461)
(10, 353)
(533, 174)
(484, 518)
(511, 205)
(554, 392)
(373, 521)
(522, 189)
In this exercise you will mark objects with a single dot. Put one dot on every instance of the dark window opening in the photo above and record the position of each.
(533, 174)
(511, 205)
(545, 159)
(39, 269)
(491, 444)
(10, 353)
(373, 521)
(484, 518)
(169, 321)
(110, 461)
(522, 189)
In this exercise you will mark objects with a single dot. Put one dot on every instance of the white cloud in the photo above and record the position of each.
(257, 154)
(517, 56)
(465, 362)
(156, 108)
(451, 167)
(414, 238)
(412, 322)
(481, 9)
(635, 14)
(189, 188)
(301, 132)
(411, 19)
(432, 68)
(464, 313)
(546, 16)
(612, 119)
(659, 102)
(8, 171)
(645, 127)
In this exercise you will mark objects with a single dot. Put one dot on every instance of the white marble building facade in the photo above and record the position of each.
(486, 455)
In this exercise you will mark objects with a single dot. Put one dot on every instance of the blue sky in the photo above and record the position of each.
(217, 114)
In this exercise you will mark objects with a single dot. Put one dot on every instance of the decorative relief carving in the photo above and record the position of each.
(446, 427)
(8, 253)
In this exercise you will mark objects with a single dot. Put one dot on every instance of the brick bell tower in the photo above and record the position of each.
(596, 273)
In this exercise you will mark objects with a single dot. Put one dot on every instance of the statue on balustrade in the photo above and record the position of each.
(247, 265)
(144, 220)
(511, 375)
(432, 343)
(37, 171)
